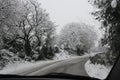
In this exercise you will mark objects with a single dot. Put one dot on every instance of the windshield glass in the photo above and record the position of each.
(79, 37)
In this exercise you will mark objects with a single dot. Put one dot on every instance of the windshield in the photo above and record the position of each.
(79, 37)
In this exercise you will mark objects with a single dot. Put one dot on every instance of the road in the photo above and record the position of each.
(73, 65)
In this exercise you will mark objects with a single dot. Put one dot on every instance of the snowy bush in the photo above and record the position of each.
(102, 58)
(63, 55)
(7, 57)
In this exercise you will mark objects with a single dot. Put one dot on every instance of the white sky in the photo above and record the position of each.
(66, 11)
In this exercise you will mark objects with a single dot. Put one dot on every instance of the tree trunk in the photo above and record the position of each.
(28, 49)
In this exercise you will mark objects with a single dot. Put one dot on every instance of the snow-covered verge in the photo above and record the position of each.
(19, 65)
(97, 70)
(15, 66)
(22, 65)
(63, 55)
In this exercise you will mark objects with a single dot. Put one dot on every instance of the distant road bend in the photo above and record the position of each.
(73, 65)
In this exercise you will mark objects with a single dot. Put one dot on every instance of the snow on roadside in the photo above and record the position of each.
(97, 70)
(23, 65)
(15, 66)
(20, 65)
(62, 55)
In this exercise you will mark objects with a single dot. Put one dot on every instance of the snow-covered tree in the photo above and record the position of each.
(31, 25)
(108, 14)
(75, 35)
(7, 16)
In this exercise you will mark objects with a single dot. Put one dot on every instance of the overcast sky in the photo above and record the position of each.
(66, 11)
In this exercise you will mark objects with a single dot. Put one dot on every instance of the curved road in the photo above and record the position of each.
(73, 65)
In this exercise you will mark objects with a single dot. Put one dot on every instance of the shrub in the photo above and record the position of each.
(7, 57)
(102, 59)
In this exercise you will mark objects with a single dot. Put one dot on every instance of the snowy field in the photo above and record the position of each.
(97, 70)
